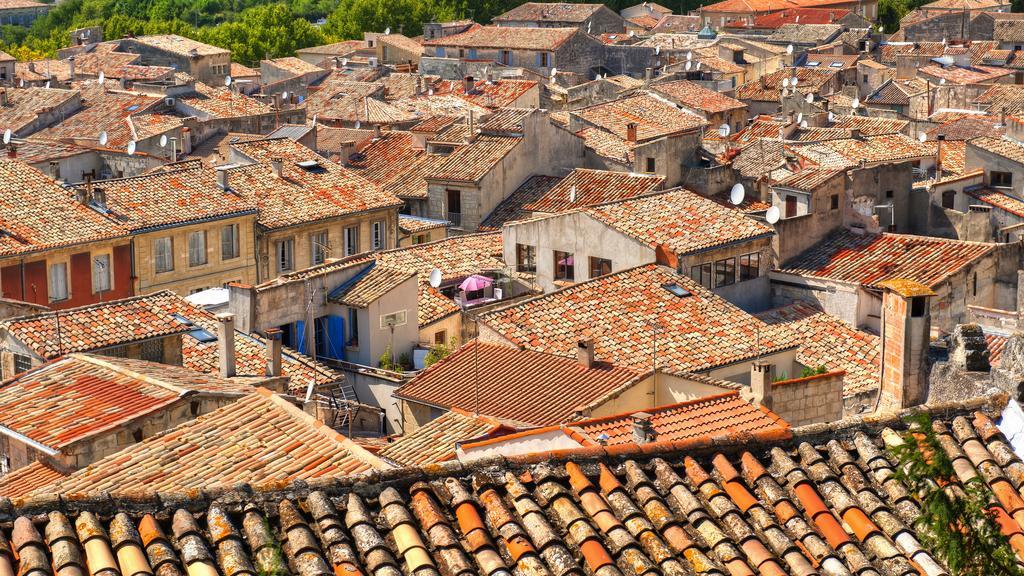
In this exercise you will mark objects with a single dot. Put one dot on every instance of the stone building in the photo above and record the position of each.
(205, 63)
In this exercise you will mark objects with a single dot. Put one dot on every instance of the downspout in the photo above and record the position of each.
(881, 367)
(133, 275)
(21, 267)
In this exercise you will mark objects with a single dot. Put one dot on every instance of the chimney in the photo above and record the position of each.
(54, 169)
(761, 383)
(12, 150)
(585, 353)
(643, 432)
(631, 132)
(376, 131)
(855, 133)
(277, 165)
(3, 97)
(226, 344)
(648, 72)
(273, 352)
(906, 331)
(347, 148)
(71, 68)
(222, 180)
(468, 84)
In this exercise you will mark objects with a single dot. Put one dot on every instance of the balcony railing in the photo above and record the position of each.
(456, 219)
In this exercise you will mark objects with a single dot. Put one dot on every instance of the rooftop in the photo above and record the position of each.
(179, 45)
(473, 161)
(654, 117)
(697, 97)
(435, 441)
(585, 187)
(550, 12)
(868, 259)
(507, 38)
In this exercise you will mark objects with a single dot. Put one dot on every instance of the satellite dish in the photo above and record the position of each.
(799, 117)
(792, 81)
(131, 148)
(689, 55)
(284, 95)
(689, 65)
(942, 81)
(430, 92)
(358, 124)
(553, 72)
(785, 82)
(809, 98)
(227, 81)
(881, 28)
(101, 79)
(435, 278)
(803, 124)
(589, 24)
(697, 66)
(772, 215)
(789, 49)
(7, 136)
(387, 30)
(344, 61)
(47, 84)
(831, 116)
(631, 34)
(163, 141)
(572, 194)
(21, 83)
(657, 50)
(922, 137)
(723, 130)
(736, 194)
(855, 103)
(103, 138)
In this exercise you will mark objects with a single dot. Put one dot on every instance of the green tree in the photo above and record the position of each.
(353, 17)
(263, 32)
(957, 521)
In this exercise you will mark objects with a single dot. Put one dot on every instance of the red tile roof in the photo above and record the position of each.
(435, 441)
(680, 220)
(654, 117)
(497, 94)
(513, 208)
(79, 396)
(178, 44)
(961, 75)
(261, 439)
(769, 87)
(846, 152)
(702, 330)
(507, 38)
(107, 110)
(219, 102)
(549, 12)
(519, 385)
(20, 482)
(1005, 147)
(24, 106)
(868, 259)
(608, 145)
(792, 16)
(37, 214)
(697, 97)
(473, 161)
(592, 187)
(999, 200)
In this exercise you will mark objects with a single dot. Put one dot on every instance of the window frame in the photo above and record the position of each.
(284, 249)
(167, 259)
(747, 262)
(232, 242)
(319, 244)
(378, 235)
(1000, 183)
(194, 251)
(52, 288)
(351, 239)
(107, 277)
(703, 274)
(524, 253)
(563, 272)
(651, 165)
(596, 262)
(723, 271)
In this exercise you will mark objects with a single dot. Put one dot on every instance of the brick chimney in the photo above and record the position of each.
(273, 352)
(12, 150)
(223, 180)
(585, 353)
(277, 165)
(347, 148)
(468, 84)
(761, 383)
(643, 431)
(631, 132)
(226, 344)
(906, 328)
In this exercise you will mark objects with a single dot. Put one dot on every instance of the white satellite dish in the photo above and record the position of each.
(435, 278)
(855, 103)
(689, 65)
(47, 84)
(689, 55)
(227, 81)
(922, 137)
(809, 98)
(103, 138)
(101, 79)
(7, 136)
(163, 141)
(789, 49)
(803, 124)
(697, 67)
(21, 83)
(724, 130)
(785, 82)
(572, 194)
(736, 194)
(942, 81)
(631, 33)
(284, 95)
(772, 215)
(430, 92)
(793, 81)
(387, 30)
(943, 41)
(131, 147)
(881, 28)
(831, 116)
(799, 117)
(358, 124)
(344, 61)
(553, 72)
(657, 50)
(589, 24)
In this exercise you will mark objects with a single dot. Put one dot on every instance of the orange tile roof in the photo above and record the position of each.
(702, 330)
(550, 12)
(749, 6)
(261, 439)
(435, 441)
(519, 385)
(507, 38)
(79, 396)
(178, 45)
(682, 221)
(20, 482)
(473, 161)
(846, 152)
(961, 75)
(769, 87)
(592, 187)
(105, 110)
(968, 127)
(500, 93)
(1005, 147)
(368, 285)
(868, 259)
(24, 106)
(412, 224)
(608, 145)
(513, 208)
(295, 65)
(998, 199)
(697, 97)
(793, 16)
(220, 102)
(654, 116)
(868, 125)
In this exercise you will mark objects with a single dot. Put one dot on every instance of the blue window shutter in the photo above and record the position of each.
(300, 336)
(335, 337)
(540, 58)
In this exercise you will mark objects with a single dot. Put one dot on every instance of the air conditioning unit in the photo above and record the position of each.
(169, 101)
(373, 61)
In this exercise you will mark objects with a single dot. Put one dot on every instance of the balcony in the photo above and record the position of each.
(456, 219)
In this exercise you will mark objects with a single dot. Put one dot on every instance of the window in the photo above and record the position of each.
(58, 281)
(506, 57)
(152, 350)
(974, 284)
(790, 206)
(750, 266)
(701, 274)
(918, 305)
(101, 273)
(725, 272)
(564, 266)
(353, 328)
(197, 248)
(865, 78)
(440, 337)
(544, 59)
(1001, 179)
(163, 254)
(229, 242)
(888, 194)
(318, 247)
(351, 240)
(526, 258)
(834, 202)
(454, 198)
(378, 235)
(600, 267)
(949, 199)
(22, 363)
(285, 253)
(419, 239)
(394, 319)
(650, 165)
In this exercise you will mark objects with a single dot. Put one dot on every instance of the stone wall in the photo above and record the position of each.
(809, 400)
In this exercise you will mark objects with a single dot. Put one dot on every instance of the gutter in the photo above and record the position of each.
(30, 442)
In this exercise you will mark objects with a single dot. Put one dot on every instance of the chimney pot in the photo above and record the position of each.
(223, 180)
(274, 352)
(277, 165)
(643, 432)
(761, 383)
(226, 344)
(631, 132)
(469, 84)
(585, 353)
(12, 150)
(54, 169)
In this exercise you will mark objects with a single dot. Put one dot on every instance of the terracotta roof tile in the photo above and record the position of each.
(473, 161)
(609, 145)
(261, 439)
(24, 106)
(514, 207)
(497, 94)
(968, 127)
(998, 199)
(507, 38)
(654, 116)
(20, 482)
(179, 45)
(550, 12)
(519, 385)
(868, 259)
(697, 97)
(435, 440)
(371, 283)
(769, 87)
(414, 224)
(220, 102)
(1004, 147)
(962, 75)
(591, 187)
(618, 309)
(846, 152)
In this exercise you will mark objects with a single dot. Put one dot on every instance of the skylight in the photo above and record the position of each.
(676, 290)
